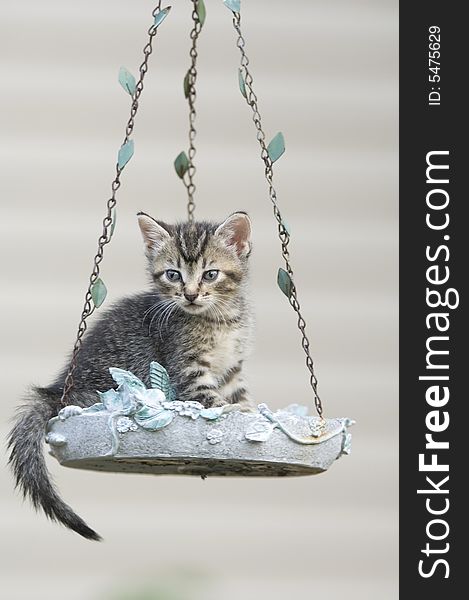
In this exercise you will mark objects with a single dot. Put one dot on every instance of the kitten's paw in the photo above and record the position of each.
(243, 401)
(208, 399)
(219, 402)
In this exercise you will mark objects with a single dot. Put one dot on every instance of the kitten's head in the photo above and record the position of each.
(201, 267)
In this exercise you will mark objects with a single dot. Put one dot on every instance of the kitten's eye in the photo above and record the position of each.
(173, 275)
(210, 275)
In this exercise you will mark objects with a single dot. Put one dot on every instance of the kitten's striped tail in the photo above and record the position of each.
(28, 464)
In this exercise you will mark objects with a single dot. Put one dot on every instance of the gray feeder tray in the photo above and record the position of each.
(232, 443)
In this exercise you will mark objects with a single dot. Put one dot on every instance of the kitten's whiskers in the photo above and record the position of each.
(160, 309)
(152, 308)
(164, 314)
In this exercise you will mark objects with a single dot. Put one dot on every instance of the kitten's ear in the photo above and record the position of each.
(154, 234)
(237, 232)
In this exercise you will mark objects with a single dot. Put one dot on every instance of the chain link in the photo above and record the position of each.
(105, 237)
(282, 231)
(191, 97)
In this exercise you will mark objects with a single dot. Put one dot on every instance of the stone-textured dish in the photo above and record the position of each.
(263, 443)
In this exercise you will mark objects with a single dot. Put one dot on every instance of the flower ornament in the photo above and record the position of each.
(215, 436)
(125, 424)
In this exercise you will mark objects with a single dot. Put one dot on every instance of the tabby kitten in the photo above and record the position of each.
(202, 313)
(196, 322)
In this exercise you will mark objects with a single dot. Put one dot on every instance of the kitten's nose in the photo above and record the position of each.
(190, 297)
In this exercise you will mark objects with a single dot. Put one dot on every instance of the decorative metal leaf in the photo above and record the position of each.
(98, 292)
(211, 413)
(154, 397)
(234, 5)
(347, 445)
(111, 400)
(187, 87)
(276, 147)
(159, 379)
(242, 83)
(152, 418)
(259, 431)
(127, 80)
(285, 282)
(161, 16)
(286, 226)
(126, 152)
(121, 400)
(297, 409)
(113, 224)
(181, 164)
(122, 377)
(201, 11)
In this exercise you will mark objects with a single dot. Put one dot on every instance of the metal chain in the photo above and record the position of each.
(282, 231)
(105, 237)
(191, 78)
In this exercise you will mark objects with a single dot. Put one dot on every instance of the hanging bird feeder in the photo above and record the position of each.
(135, 429)
(148, 430)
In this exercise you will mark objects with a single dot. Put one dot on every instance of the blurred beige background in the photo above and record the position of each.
(326, 75)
